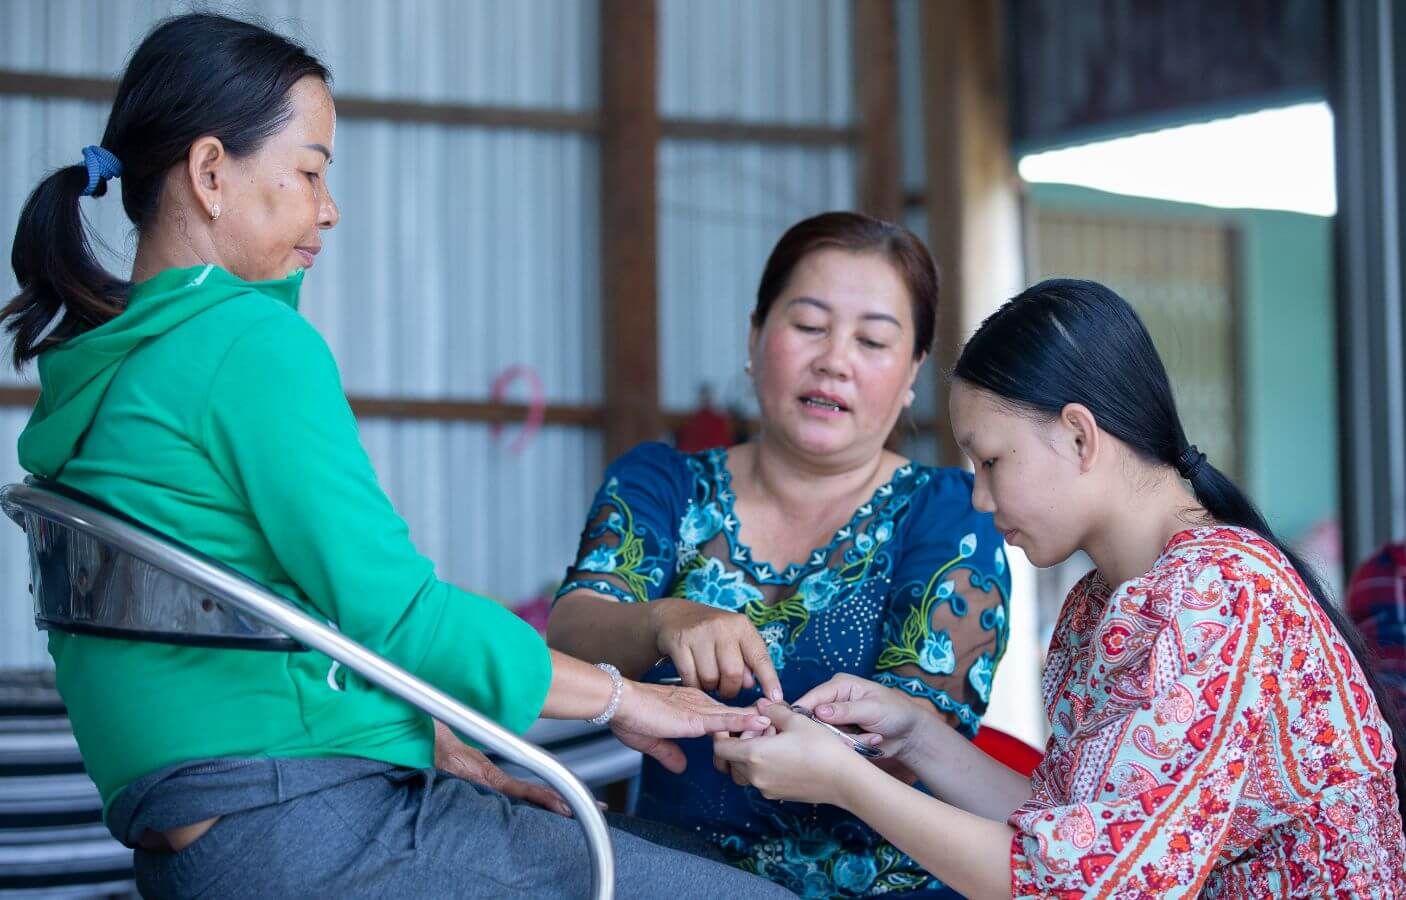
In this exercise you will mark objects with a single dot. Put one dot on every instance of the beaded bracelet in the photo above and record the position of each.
(617, 690)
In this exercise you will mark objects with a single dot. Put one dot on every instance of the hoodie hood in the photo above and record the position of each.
(74, 377)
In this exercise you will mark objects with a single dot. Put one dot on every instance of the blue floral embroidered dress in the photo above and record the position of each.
(912, 592)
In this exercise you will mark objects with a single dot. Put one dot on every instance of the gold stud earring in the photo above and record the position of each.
(214, 212)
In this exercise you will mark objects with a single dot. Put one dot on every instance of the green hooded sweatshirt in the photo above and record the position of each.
(211, 411)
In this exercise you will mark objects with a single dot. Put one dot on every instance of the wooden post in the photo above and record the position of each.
(880, 188)
(629, 143)
(972, 200)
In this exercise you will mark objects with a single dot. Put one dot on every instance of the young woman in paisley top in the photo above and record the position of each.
(772, 566)
(1214, 731)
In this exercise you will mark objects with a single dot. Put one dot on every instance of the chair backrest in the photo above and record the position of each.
(83, 583)
(95, 572)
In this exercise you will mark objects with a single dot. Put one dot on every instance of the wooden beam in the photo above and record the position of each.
(69, 87)
(880, 188)
(629, 145)
(734, 130)
(432, 410)
(972, 199)
(72, 87)
(472, 411)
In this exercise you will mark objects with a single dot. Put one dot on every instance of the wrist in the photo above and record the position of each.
(658, 611)
(852, 783)
(617, 695)
(917, 743)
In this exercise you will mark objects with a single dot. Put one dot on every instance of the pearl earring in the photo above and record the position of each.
(911, 397)
(748, 367)
(214, 212)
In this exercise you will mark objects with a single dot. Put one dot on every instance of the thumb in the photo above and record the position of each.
(856, 712)
(782, 716)
(668, 754)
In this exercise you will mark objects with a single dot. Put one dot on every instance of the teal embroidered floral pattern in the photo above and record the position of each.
(710, 583)
(911, 591)
(931, 651)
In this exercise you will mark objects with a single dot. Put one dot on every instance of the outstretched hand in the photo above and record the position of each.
(649, 714)
(794, 760)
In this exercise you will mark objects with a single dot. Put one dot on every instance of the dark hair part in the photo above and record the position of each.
(194, 75)
(1068, 341)
(856, 233)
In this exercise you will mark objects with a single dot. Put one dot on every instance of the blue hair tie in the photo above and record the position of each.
(102, 165)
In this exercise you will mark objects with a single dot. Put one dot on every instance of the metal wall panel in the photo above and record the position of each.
(461, 251)
(538, 53)
(501, 523)
(782, 61)
(721, 209)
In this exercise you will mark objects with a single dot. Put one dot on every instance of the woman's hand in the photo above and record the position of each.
(895, 717)
(459, 759)
(794, 760)
(713, 649)
(648, 713)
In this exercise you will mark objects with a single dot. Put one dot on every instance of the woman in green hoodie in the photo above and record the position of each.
(195, 399)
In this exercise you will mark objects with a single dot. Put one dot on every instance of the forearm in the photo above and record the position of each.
(963, 776)
(600, 630)
(969, 852)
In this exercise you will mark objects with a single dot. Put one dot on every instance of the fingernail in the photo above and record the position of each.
(826, 710)
(776, 694)
(763, 720)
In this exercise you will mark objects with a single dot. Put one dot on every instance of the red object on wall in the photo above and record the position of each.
(1010, 751)
(706, 428)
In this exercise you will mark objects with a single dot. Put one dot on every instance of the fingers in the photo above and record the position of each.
(667, 754)
(730, 756)
(731, 670)
(729, 749)
(739, 775)
(683, 662)
(758, 660)
(706, 662)
(856, 712)
(731, 722)
(841, 687)
(780, 715)
(718, 762)
(536, 794)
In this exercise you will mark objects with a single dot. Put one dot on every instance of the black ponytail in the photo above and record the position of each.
(59, 276)
(192, 76)
(1069, 341)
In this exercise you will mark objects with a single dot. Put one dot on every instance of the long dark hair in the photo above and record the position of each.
(1069, 341)
(194, 75)
(856, 233)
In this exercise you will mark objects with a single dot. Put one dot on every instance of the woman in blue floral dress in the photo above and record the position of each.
(769, 567)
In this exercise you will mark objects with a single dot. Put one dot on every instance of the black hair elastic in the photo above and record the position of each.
(1190, 462)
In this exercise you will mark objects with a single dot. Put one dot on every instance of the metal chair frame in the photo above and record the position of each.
(93, 571)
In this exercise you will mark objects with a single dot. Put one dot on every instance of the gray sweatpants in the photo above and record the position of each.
(422, 833)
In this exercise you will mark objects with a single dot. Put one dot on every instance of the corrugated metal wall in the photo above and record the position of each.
(723, 205)
(461, 251)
